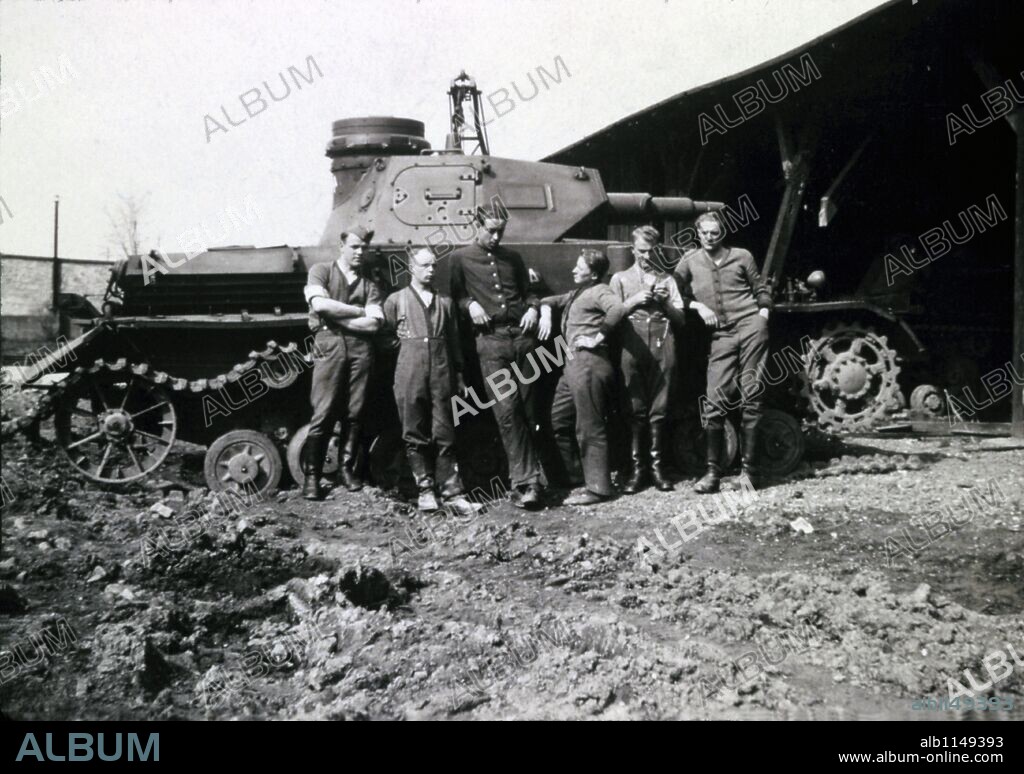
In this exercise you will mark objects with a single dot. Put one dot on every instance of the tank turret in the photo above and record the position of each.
(406, 196)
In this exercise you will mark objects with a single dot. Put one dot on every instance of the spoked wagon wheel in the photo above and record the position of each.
(243, 460)
(114, 429)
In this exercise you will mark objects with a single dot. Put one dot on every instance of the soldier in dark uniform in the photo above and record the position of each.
(653, 306)
(583, 397)
(723, 285)
(491, 285)
(344, 312)
(428, 373)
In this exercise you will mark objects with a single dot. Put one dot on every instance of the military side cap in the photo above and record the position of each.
(363, 233)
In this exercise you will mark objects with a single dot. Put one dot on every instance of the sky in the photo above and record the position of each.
(101, 99)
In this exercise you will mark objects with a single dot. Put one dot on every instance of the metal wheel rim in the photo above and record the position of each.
(850, 376)
(332, 458)
(244, 464)
(128, 428)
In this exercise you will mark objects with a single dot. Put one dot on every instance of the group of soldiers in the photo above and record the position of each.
(642, 307)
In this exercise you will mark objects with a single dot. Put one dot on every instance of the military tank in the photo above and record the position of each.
(214, 349)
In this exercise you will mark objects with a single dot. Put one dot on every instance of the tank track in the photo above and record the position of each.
(50, 400)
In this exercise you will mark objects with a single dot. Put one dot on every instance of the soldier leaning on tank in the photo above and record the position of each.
(427, 375)
(723, 285)
(583, 397)
(492, 286)
(344, 312)
(653, 307)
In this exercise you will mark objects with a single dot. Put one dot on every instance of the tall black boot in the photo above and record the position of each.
(313, 466)
(347, 468)
(658, 473)
(751, 454)
(427, 500)
(715, 441)
(639, 452)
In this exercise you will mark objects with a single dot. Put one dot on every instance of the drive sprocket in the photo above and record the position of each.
(850, 377)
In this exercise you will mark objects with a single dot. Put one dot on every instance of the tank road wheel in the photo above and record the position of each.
(243, 460)
(927, 399)
(294, 454)
(690, 449)
(850, 377)
(781, 443)
(114, 429)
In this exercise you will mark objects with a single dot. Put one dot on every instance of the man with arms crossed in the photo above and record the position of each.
(344, 312)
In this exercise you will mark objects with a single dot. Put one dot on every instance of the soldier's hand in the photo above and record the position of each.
(709, 317)
(589, 342)
(544, 326)
(374, 311)
(529, 320)
(478, 315)
(639, 298)
(661, 295)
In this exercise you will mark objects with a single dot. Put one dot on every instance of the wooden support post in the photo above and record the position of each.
(1017, 418)
(796, 168)
(785, 223)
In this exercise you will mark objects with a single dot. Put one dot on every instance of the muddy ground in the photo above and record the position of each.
(851, 589)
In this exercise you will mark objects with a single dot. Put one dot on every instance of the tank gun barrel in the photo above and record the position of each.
(635, 207)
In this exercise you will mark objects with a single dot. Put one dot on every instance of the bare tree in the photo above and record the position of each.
(125, 223)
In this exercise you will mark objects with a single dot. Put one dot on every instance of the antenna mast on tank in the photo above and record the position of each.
(464, 90)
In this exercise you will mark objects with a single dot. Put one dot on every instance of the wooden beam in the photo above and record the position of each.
(1017, 414)
(797, 172)
(830, 201)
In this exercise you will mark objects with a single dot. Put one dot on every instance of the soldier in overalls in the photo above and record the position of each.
(653, 306)
(427, 375)
(344, 313)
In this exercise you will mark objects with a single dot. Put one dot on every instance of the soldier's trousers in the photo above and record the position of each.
(579, 413)
(341, 369)
(501, 348)
(648, 368)
(735, 370)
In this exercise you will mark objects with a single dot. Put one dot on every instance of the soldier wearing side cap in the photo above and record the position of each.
(344, 313)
